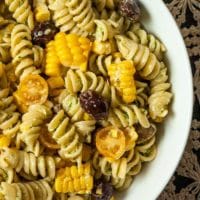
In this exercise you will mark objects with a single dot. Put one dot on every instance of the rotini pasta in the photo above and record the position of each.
(80, 84)
(9, 118)
(78, 81)
(145, 62)
(160, 97)
(138, 34)
(38, 56)
(141, 93)
(64, 20)
(127, 115)
(21, 12)
(45, 166)
(82, 13)
(21, 50)
(102, 4)
(66, 136)
(40, 189)
(147, 150)
(82, 121)
(32, 122)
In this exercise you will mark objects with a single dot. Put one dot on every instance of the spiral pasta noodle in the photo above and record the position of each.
(72, 107)
(126, 115)
(118, 171)
(81, 85)
(78, 81)
(30, 128)
(145, 62)
(21, 12)
(9, 118)
(102, 4)
(122, 184)
(137, 33)
(147, 150)
(82, 13)
(21, 50)
(105, 30)
(64, 20)
(141, 96)
(38, 55)
(66, 136)
(34, 190)
(160, 96)
(45, 166)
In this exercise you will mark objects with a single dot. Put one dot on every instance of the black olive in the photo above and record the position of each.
(130, 9)
(102, 190)
(94, 104)
(43, 33)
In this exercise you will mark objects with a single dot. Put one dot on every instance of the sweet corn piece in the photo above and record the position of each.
(42, 13)
(52, 67)
(101, 48)
(4, 141)
(121, 76)
(55, 82)
(73, 50)
(74, 179)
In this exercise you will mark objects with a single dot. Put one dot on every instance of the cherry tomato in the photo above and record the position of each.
(33, 89)
(110, 142)
(46, 139)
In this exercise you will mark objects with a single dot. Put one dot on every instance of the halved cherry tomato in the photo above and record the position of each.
(33, 89)
(110, 142)
(46, 139)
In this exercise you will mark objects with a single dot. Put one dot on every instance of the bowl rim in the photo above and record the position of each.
(190, 80)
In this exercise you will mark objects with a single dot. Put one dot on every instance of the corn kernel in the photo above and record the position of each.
(4, 141)
(55, 82)
(42, 13)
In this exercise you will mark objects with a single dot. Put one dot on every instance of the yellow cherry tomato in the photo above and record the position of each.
(110, 142)
(33, 89)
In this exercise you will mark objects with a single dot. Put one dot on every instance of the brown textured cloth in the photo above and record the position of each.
(185, 184)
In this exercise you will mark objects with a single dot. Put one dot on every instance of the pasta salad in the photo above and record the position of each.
(83, 87)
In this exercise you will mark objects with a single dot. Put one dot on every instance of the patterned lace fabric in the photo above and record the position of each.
(185, 184)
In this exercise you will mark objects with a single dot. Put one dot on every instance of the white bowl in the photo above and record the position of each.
(174, 133)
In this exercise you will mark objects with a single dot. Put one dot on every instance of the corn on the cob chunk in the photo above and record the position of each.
(52, 67)
(74, 179)
(121, 76)
(72, 50)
